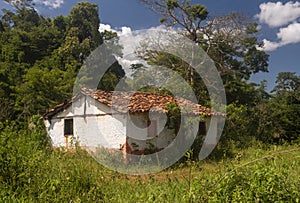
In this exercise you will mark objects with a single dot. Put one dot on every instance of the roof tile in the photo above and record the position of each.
(136, 102)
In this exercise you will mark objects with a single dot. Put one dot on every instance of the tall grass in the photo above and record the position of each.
(30, 171)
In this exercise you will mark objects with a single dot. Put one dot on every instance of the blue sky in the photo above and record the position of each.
(279, 22)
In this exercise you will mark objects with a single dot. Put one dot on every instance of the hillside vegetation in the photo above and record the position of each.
(31, 172)
(256, 160)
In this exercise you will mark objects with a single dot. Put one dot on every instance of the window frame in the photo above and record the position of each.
(68, 127)
(202, 128)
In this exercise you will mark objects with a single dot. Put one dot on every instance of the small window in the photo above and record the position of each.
(68, 127)
(152, 128)
(202, 128)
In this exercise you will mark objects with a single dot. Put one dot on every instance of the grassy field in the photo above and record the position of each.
(260, 174)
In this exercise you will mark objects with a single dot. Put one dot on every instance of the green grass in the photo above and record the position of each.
(253, 175)
(30, 171)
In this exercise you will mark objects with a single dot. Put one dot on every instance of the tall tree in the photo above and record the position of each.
(279, 117)
(85, 17)
(287, 82)
(229, 40)
(188, 16)
(20, 3)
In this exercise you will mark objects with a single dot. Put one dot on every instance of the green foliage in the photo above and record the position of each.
(21, 152)
(20, 3)
(287, 82)
(230, 41)
(84, 16)
(238, 124)
(270, 118)
(108, 81)
(40, 57)
(198, 11)
(31, 172)
(174, 116)
(42, 88)
(171, 4)
(264, 181)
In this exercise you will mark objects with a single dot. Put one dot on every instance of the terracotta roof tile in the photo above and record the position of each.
(135, 102)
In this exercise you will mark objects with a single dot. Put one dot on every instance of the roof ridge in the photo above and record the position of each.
(137, 102)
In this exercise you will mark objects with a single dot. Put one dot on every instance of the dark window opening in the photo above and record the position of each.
(68, 129)
(202, 128)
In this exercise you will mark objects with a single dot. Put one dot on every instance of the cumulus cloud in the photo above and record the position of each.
(125, 31)
(120, 31)
(290, 34)
(130, 40)
(50, 3)
(286, 35)
(278, 14)
(104, 27)
(270, 46)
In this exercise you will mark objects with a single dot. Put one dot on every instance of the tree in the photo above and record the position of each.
(40, 57)
(20, 3)
(188, 16)
(287, 82)
(101, 69)
(37, 36)
(82, 35)
(24, 18)
(287, 104)
(1, 27)
(27, 38)
(84, 17)
(42, 89)
(229, 40)
(278, 118)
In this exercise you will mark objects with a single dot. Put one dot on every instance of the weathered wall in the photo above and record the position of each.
(211, 131)
(93, 125)
(138, 139)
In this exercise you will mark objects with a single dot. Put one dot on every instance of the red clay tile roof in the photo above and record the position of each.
(134, 102)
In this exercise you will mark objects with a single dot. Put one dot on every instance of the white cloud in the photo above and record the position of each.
(125, 31)
(270, 46)
(120, 31)
(286, 35)
(278, 14)
(104, 27)
(130, 40)
(290, 34)
(50, 3)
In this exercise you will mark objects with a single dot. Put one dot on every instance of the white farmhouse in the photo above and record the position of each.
(133, 122)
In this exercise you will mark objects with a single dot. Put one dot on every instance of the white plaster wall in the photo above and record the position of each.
(211, 130)
(142, 141)
(100, 131)
(55, 130)
(99, 128)
(93, 125)
(165, 137)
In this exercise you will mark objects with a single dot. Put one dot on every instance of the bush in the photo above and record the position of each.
(31, 172)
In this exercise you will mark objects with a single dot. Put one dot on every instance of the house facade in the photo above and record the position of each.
(132, 122)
